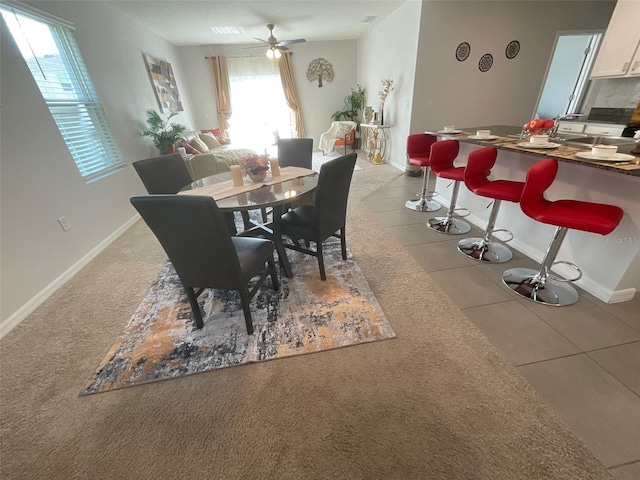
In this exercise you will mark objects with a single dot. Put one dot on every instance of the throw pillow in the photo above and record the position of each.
(199, 144)
(188, 148)
(216, 133)
(209, 140)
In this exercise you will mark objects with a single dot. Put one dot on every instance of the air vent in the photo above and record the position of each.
(227, 30)
(368, 19)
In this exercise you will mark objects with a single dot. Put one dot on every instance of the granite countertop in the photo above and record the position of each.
(564, 153)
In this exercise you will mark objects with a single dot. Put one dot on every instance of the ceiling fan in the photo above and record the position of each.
(276, 47)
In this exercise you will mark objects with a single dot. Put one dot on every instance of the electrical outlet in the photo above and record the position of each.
(429, 103)
(64, 223)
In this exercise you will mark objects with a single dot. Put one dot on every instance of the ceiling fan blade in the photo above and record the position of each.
(256, 46)
(289, 42)
(261, 40)
(282, 48)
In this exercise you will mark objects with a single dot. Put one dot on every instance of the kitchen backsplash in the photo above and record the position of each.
(616, 92)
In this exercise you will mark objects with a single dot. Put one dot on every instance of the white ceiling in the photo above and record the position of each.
(189, 22)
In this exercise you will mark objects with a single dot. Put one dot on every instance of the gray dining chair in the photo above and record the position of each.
(198, 243)
(169, 174)
(163, 174)
(327, 216)
(295, 152)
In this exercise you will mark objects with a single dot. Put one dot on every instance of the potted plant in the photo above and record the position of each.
(353, 103)
(164, 135)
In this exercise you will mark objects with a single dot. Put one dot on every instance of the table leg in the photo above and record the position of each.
(277, 241)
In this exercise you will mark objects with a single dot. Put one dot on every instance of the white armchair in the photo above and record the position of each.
(340, 133)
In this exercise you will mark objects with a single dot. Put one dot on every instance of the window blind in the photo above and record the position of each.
(54, 59)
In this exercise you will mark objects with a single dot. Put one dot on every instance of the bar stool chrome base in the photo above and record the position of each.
(479, 249)
(448, 225)
(423, 205)
(528, 283)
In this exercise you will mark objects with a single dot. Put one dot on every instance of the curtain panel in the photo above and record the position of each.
(290, 92)
(221, 84)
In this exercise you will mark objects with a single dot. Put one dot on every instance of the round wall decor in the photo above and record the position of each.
(513, 48)
(485, 62)
(463, 51)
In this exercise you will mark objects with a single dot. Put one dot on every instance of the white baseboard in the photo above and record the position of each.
(24, 311)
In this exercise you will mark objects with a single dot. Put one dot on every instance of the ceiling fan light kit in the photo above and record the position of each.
(275, 48)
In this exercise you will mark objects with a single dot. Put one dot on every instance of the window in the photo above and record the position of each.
(260, 114)
(50, 50)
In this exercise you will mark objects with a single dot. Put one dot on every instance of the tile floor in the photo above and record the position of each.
(583, 359)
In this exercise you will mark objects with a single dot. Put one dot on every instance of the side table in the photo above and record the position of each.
(374, 141)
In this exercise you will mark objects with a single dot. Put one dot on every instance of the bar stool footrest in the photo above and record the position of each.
(558, 278)
(506, 231)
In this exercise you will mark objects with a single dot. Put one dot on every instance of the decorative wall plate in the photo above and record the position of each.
(463, 51)
(485, 62)
(512, 50)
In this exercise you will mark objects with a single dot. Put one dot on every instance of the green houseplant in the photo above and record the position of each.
(353, 103)
(163, 134)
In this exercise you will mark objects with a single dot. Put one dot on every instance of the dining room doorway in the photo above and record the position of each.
(568, 73)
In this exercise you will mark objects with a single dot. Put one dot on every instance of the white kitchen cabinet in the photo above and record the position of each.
(619, 55)
(610, 129)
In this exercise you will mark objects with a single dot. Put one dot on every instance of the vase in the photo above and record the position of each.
(382, 114)
(257, 177)
(368, 114)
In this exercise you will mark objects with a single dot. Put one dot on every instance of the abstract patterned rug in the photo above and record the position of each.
(307, 315)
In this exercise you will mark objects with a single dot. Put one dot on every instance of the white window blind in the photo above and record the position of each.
(52, 55)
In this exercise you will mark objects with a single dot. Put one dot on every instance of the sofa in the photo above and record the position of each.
(208, 154)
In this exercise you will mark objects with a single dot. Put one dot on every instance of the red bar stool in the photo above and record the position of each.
(476, 173)
(442, 155)
(542, 286)
(418, 151)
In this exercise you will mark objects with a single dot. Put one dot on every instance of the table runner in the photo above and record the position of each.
(227, 189)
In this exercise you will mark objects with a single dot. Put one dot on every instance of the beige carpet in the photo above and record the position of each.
(438, 402)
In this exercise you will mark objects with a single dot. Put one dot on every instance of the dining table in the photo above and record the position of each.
(275, 192)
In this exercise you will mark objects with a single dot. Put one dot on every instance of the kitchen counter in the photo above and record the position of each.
(564, 153)
(611, 263)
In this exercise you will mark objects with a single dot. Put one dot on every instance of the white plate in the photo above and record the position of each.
(453, 132)
(488, 137)
(612, 158)
(539, 145)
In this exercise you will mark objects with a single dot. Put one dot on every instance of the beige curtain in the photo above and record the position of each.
(223, 97)
(290, 91)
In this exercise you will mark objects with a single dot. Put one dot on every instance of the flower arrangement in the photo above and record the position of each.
(387, 88)
(256, 165)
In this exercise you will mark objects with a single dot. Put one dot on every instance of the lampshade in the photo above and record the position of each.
(273, 52)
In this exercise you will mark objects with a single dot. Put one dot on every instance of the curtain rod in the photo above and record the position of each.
(243, 56)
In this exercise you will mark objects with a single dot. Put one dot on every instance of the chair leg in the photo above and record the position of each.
(244, 299)
(323, 276)
(343, 243)
(449, 225)
(195, 308)
(424, 203)
(274, 273)
(539, 285)
(484, 249)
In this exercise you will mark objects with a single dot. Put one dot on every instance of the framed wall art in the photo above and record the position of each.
(164, 84)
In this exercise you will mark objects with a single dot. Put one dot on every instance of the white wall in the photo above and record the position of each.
(317, 104)
(39, 180)
(453, 92)
(389, 51)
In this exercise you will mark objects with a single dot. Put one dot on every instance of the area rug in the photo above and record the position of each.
(306, 315)
(320, 158)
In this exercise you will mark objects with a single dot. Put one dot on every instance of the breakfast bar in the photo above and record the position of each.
(610, 264)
